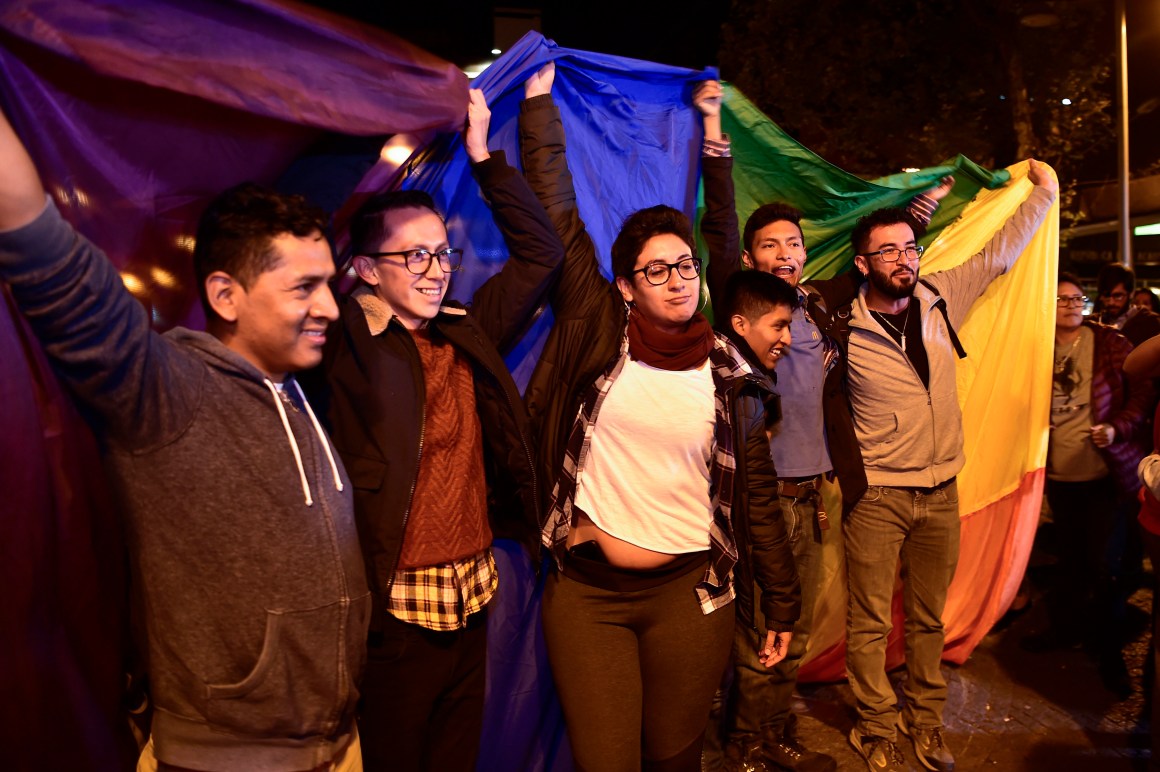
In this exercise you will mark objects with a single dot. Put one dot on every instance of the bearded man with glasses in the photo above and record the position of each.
(900, 348)
(434, 433)
(1116, 283)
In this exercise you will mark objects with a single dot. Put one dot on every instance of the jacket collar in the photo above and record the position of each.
(379, 312)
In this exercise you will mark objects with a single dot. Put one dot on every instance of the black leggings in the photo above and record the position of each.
(636, 668)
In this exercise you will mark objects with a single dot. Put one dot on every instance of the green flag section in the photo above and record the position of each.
(769, 165)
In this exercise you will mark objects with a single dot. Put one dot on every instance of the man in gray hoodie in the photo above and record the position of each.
(904, 400)
(244, 551)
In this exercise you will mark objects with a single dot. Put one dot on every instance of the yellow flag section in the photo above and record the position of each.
(1005, 393)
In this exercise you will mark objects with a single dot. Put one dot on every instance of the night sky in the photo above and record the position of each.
(688, 35)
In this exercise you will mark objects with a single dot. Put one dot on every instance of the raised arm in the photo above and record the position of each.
(581, 289)
(923, 206)
(965, 283)
(96, 334)
(507, 302)
(719, 223)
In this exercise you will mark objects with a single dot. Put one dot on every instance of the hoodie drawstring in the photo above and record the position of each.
(321, 438)
(293, 443)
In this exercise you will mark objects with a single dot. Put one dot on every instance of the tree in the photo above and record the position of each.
(881, 85)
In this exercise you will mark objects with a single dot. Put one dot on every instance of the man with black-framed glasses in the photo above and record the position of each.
(901, 382)
(434, 433)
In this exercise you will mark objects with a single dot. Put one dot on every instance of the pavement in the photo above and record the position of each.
(1008, 709)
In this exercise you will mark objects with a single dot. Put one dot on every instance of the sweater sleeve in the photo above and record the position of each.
(507, 302)
(581, 290)
(720, 231)
(140, 388)
(965, 283)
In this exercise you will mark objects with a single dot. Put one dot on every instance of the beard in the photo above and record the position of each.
(897, 282)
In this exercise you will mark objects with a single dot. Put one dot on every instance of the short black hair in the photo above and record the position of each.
(879, 218)
(753, 294)
(368, 227)
(236, 231)
(1111, 275)
(643, 225)
(766, 214)
(1071, 278)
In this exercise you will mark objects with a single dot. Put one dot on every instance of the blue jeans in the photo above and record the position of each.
(762, 696)
(920, 528)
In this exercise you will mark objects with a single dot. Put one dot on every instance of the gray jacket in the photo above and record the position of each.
(254, 601)
(911, 435)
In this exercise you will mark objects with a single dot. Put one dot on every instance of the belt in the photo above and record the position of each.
(803, 489)
(1067, 408)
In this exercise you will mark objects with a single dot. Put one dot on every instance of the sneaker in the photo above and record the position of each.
(880, 753)
(929, 746)
(788, 753)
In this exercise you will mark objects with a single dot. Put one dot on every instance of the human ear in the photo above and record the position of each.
(365, 268)
(625, 287)
(223, 293)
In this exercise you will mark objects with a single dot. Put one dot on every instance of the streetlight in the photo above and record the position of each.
(1122, 88)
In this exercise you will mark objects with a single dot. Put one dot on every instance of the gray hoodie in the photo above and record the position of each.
(238, 513)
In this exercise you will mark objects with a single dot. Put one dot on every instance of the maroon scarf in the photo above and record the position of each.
(667, 351)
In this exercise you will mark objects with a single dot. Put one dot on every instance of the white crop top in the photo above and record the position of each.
(646, 477)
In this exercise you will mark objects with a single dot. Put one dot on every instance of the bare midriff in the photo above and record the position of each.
(616, 551)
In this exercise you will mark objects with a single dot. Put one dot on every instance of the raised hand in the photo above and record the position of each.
(541, 82)
(478, 121)
(1042, 175)
(707, 97)
(939, 192)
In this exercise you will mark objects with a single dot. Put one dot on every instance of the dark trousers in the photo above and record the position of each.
(1094, 529)
(422, 697)
(636, 670)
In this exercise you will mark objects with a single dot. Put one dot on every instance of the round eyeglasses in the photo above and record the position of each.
(658, 273)
(418, 261)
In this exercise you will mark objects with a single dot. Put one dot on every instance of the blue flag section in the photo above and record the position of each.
(633, 141)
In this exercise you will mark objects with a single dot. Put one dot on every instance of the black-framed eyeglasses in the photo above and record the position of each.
(418, 261)
(1119, 295)
(658, 273)
(894, 254)
(1071, 301)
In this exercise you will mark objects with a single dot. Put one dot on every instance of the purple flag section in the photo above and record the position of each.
(135, 114)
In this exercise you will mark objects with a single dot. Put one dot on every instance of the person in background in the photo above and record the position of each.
(1099, 433)
(1146, 299)
(1116, 284)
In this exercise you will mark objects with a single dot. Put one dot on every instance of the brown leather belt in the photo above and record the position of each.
(804, 489)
